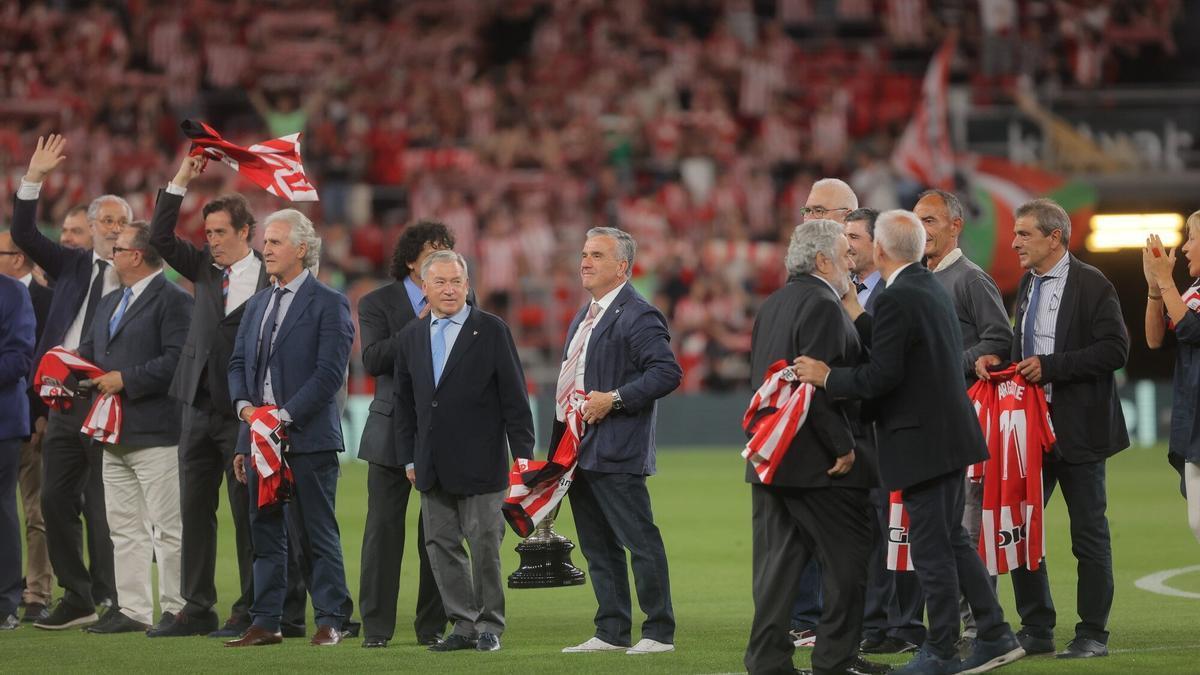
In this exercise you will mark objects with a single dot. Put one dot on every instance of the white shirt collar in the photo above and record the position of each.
(96, 256)
(606, 301)
(140, 286)
(294, 284)
(892, 277)
(27, 279)
(949, 259)
(1059, 269)
(240, 266)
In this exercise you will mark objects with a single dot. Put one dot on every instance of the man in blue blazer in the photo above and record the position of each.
(16, 353)
(291, 351)
(618, 351)
(71, 470)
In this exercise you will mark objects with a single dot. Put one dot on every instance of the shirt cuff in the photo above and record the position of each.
(29, 191)
(283, 416)
(409, 466)
(826, 380)
(176, 190)
(241, 405)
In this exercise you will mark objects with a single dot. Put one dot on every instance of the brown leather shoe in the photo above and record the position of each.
(327, 636)
(256, 636)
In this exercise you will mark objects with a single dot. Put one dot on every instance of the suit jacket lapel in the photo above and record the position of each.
(468, 335)
(255, 318)
(612, 312)
(218, 295)
(299, 303)
(1066, 305)
(422, 365)
(137, 305)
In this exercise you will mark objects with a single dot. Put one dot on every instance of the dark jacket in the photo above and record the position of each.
(145, 349)
(925, 425)
(17, 327)
(204, 365)
(805, 317)
(460, 433)
(629, 350)
(1090, 344)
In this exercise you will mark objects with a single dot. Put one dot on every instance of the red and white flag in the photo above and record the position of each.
(268, 443)
(777, 411)
(898, 558)
(273, 165)
(924, 151)
(57, 372)
(535, 487)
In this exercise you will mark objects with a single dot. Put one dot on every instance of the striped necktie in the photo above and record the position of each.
(225, 287)
(566, 375)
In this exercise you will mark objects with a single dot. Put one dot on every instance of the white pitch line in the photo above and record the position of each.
(1157, 583)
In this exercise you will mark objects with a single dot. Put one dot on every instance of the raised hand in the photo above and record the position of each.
(189, 169)
(46, 158)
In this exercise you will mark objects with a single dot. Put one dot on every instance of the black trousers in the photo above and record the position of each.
(895, 605)
(73, 485)
(612, 513)
(789, 527)
(1083, 489)
(388, 490)
(10, 527)
(947, 563)
(206, 449)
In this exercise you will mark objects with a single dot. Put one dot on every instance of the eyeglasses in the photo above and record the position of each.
(118, 249)
(819, 211)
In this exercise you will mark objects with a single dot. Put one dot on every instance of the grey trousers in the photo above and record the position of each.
(972, 521)
(471, 587)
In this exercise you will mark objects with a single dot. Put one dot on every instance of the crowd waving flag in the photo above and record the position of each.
(273, 165)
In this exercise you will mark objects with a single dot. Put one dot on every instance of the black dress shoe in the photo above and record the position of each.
(375, 643)
(861, 666)
(1034, 645)
(112, 614)
(66, 616)
(234, 627)
(119, 624)
(454, 643)
(184, 625)
(488, 642)
(1083, 648)
(888, 645)
(427, 640)
(351, 628)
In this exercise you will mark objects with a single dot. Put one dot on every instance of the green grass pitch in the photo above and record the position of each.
(702, 506)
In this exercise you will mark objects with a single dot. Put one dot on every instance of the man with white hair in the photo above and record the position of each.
(291, 352)
(816, 505)
(928, 435)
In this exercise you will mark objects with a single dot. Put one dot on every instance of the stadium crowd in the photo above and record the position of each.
(698, 126)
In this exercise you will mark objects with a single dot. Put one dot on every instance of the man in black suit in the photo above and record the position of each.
(928, 434)
(816, 505)
(39, 577)
(72, 481)
(382, 313)
(224, 274)
(461, 408)
(136, 339)
(1070, 336)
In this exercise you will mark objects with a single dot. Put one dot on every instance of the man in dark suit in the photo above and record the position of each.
(39, 577)
(928, 434)
(71, 468)
(136, 339)
(291, 352)
(618, 351)
(1070, 336)
(17, 326)
(461, 408)
(816, 504)
(382, 313)
(224, 274)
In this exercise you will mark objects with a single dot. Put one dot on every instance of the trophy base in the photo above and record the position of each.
(545, 562)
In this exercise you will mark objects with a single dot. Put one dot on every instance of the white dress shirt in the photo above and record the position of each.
(243, 281)
(1054, 282)
(285, 302)
(604, 303)
(111, 283)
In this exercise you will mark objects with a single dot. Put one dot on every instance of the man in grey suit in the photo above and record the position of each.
(136, 339)
(618, 351)
(461, 408)
(381, 315)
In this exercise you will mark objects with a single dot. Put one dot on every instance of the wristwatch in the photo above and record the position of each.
(617, 403)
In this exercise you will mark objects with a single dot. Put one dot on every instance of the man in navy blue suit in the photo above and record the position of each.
(71, 470)
(16, 353)
(619, 352)
(291, 352)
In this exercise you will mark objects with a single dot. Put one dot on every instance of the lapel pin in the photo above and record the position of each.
(475, 333)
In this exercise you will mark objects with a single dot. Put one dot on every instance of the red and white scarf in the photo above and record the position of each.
(51, 381)
(898, 557)
(535, 487)
(776, 413)
(268, 443)
(273, 165)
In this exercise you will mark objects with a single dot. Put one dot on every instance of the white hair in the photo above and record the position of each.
(93, 210)
(444, 256)
(808, 239)
(626, 246)
(900, 233)
(840, 186)
(302, 232)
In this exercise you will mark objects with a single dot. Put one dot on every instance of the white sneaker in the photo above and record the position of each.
(592, 645)
(648, 646)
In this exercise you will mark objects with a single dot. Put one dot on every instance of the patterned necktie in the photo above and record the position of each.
(438, 346)
(566, 375)
(94, 296)
(225, 287)
(859, 286)
(115, 321)
(1028, 348)
(265, 339)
